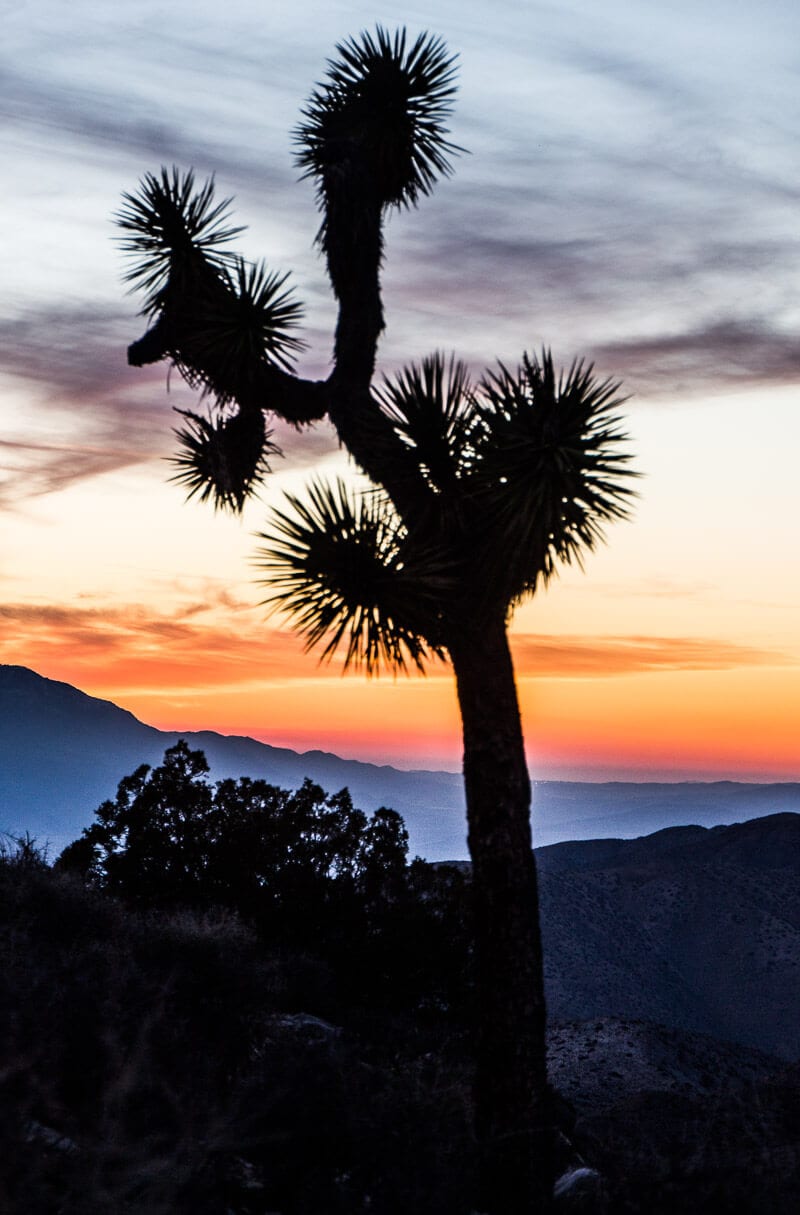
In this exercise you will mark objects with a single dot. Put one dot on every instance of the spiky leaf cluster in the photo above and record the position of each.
(549, 466)
(225, 314)
(223, 319)
(381, 113)
(524, 469)
(169, 223)
(247, 320)
(340, 564)
(431, 408)
(223, 458)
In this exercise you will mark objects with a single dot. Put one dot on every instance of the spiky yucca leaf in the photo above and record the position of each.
(170, 220)
(223, 458)
(550, 467)
(339, 565)
(430, 406)
(266, 315)
(383, 105)
(247, 320)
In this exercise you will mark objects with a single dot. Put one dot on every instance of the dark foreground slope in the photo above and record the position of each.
(678, 1123)
(170, 1064)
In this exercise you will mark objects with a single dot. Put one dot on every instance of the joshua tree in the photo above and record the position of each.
(478, 490)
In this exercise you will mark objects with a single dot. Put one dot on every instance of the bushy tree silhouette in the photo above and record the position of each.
(170, 836)
(480, 489)
(307, 869)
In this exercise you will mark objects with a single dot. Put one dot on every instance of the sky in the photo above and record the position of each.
(629, 193)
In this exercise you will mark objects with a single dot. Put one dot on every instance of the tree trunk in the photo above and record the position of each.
(513, 1118)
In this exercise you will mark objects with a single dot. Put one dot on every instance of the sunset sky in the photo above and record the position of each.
(631, 193)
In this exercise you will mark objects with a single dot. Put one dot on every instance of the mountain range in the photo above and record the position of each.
(62, 752)
(672, 969)
(695, 928)
(671, 936)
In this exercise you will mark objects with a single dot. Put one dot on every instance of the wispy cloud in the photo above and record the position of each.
(99, 414)
(112, 118)
(87, 414)
(132, 645)
(578, 657)
(77, 351)
(653, 588)
(643, 215)
(718, 355)
(31, 469)
(617, 210)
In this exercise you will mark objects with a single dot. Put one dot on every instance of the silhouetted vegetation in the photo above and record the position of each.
(170, 1062)
(306, 870)
(232, 998)
(479, 490)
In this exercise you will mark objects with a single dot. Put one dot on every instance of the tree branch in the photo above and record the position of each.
(352, 239)
(257, 385)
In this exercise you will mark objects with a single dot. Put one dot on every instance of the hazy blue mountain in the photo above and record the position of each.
(575, 810)
(63, 752)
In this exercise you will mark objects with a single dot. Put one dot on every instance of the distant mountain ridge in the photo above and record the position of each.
(62, 752)
(691, 927)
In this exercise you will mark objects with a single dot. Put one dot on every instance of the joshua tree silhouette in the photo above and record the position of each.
(480, 489)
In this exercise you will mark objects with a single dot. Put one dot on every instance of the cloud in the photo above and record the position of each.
(98, 414)
(654, 588)
(541, 655)
(73, 350)
(660, 281)
(87, 414)
(32, 469)
(690, 312)
(642, 78)
(645, 215)
(720, 354)
(122, 122)
(90, 115)
(616, 210)
(132, 645)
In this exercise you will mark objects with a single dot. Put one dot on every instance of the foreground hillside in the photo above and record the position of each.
(678, 1123)
(604, 1062)
(166, 1065)
(157, 1062)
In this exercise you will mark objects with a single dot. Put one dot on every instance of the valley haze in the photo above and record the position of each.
(63, 752)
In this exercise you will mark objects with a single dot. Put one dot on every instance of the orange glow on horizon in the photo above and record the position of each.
(737, 724)
(731, 725)
(633, 707)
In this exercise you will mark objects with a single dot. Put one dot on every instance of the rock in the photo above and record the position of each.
(313, 1029)
(580, 1190)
